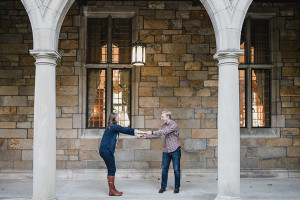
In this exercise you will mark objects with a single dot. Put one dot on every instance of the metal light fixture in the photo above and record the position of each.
(138, 49)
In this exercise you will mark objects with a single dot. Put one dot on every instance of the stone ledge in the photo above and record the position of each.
(187, 174)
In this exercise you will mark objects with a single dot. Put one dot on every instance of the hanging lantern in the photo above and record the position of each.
(138, 49)
(138, 53)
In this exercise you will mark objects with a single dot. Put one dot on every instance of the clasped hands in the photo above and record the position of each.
(142, 134)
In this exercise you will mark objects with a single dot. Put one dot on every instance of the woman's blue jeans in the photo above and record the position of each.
(110, 163)
(167, 157)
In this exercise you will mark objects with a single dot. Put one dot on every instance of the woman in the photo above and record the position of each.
(107, 149)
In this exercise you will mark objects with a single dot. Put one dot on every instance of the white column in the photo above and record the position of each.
(44, 147)
(228, 126)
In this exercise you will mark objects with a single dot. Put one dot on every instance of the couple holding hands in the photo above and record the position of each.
(171, 148)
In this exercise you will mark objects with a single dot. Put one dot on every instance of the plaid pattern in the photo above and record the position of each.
(170, 132)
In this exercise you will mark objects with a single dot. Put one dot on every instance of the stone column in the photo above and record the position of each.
(44, 148)
(228, 126)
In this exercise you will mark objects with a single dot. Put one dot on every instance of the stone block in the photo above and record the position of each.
(290, 163)
(194, 145)
(148, 155)
(153, 49)
(66, 101)
(270, 163)
(157, 143)
(210, 102)
(205, 133)
(6, 165)
(66, 90)
(136, 144)
(168, 81)
(168, 102)
(61, 144)
(208, 123)
(249, 163)
(173, 48)
(15, 48)
(9, 58)
(64, 123)
(168, 71)
(181, 38)
(203, 92)
(7, 125)
(289, 90)
(293, 151)
(290, 111)
(253, 142)
(177, 113)
(13, 100)
(296, 141)
(70, 110)
(12, 155)
(183, 91)
(281, 142)
(160, 57)
(27, 61)
(26, 90)
(76, 165)
(132, 165)
(197, 75)
(25, 125)
(193, 123)
(146, 111)
(153, 123)
(212, 142)
(13, 133)
(156, 5)
(69, 80)
(196, 66)
(25, 110)
(8, 90)
(211, 163)
(155, 24)
(189, 156)
(290, 131)
(20, 144)
(189, 102)
(23, 165)
(183, 14)
(211, 83)
(27, 154)
(15, 74)
(84, 144)
(69, 44)
(165, 92)
(289, 34)
(66, 133)
(151, 71)
(89, 155)
(266, 152)
(149, 102)
(197, 48)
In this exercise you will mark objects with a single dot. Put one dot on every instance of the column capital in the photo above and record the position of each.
(228, 56)
(45, 57)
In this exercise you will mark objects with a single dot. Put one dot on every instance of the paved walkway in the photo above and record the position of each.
(146, 189)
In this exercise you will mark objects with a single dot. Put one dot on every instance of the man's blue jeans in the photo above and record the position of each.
(167, 157)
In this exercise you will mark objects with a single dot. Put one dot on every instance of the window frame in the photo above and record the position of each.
(277, 120)
(82, 66)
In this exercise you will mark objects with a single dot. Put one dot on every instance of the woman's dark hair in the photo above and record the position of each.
(112, 120)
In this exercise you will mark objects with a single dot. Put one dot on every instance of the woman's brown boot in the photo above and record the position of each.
(111, 184)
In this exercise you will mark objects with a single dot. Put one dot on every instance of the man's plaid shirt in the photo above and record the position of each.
(170, 132)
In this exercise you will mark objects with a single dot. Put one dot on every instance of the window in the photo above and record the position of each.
(108, 76)
(254, 79)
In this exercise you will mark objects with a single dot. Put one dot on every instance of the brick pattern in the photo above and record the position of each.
(180, 76)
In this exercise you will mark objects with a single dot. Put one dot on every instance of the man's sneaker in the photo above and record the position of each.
(176, 190)
(162, 189)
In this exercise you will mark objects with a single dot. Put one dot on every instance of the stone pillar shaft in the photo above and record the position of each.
(44, 148)
(228, 126)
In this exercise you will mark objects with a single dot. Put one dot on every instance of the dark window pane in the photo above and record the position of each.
(121, 95)
(121, 47)
(242, 84)
(96, 98)
(260, 98)
(97, 40)
(260, 52)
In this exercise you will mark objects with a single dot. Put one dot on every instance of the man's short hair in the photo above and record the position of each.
(167, 113)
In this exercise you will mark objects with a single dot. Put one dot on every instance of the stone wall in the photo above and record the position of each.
(180, 76)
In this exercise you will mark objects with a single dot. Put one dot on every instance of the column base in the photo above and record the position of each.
(227, 198)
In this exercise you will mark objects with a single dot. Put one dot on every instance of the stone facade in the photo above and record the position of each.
(180, 75)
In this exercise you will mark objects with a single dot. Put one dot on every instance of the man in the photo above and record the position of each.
(171, 149)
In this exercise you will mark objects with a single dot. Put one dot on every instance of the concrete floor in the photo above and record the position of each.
(146, 189)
